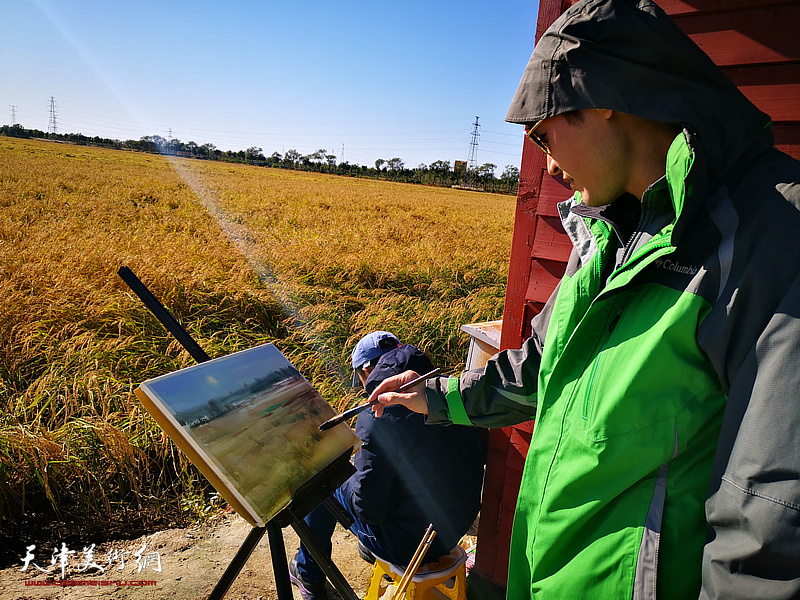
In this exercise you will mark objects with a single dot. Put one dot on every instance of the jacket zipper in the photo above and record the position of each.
(636, 233)
(629, 247)
(587, 404)
(612, 325)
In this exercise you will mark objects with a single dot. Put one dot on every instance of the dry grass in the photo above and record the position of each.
(361, 254)
(229, 249)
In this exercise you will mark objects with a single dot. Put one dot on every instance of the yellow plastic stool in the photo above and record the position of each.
(444, 578)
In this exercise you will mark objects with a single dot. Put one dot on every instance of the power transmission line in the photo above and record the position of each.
(52, 126)
(13, 114)
(472, 161)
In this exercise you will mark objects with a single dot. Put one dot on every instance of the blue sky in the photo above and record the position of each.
(194, 386)
(365, 79)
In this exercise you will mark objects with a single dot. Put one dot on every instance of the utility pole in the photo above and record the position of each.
(472, 161)
(52, 127)
(13, 115)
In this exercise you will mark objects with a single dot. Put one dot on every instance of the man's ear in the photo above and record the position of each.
(606, 113)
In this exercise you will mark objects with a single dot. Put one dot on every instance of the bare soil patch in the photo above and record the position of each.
(192, 560)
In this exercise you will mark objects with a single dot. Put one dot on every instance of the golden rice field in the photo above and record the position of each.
(241, 256)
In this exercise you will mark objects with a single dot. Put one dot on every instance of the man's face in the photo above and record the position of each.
(590, 154)
(363, 374)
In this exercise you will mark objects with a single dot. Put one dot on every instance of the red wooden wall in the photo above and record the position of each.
(756, 44)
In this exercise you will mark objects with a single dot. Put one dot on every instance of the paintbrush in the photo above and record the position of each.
(362, 407)
(416, 561)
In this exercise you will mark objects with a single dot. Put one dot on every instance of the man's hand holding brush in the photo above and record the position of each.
(413, 398)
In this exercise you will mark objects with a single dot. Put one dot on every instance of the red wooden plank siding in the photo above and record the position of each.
(755, 43)
(530, 180)
(533, 214)
(545, 275)
(758, 34)
(492, 524)
(507, 450)
(678, 7)
(550, 242)
(775, 89)
(787, 138)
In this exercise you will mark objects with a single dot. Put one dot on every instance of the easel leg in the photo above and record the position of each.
(278, 552)
(280, 568)
(323, 560)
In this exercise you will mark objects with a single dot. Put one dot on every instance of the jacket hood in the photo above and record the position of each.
(629, 56)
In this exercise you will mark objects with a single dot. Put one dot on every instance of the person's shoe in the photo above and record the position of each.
(309, 591)
(366, 553)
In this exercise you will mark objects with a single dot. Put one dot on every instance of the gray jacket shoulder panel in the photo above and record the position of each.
(752, 335)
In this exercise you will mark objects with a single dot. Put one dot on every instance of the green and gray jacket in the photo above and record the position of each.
(664, 373)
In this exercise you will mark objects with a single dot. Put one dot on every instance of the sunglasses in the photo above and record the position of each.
(539, 142)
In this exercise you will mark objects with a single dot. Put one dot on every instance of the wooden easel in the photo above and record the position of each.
(318, 490)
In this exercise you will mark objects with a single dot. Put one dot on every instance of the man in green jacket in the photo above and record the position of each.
(664, 372)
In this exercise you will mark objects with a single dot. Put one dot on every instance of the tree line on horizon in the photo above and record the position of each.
(439, 173)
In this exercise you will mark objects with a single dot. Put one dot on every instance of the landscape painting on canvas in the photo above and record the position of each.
(250, 422)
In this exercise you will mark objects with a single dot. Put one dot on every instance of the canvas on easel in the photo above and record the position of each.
(249, 421)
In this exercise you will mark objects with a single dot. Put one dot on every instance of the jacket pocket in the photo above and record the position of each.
(644, 367)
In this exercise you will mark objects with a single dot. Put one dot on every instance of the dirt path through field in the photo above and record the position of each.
(192, 560)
